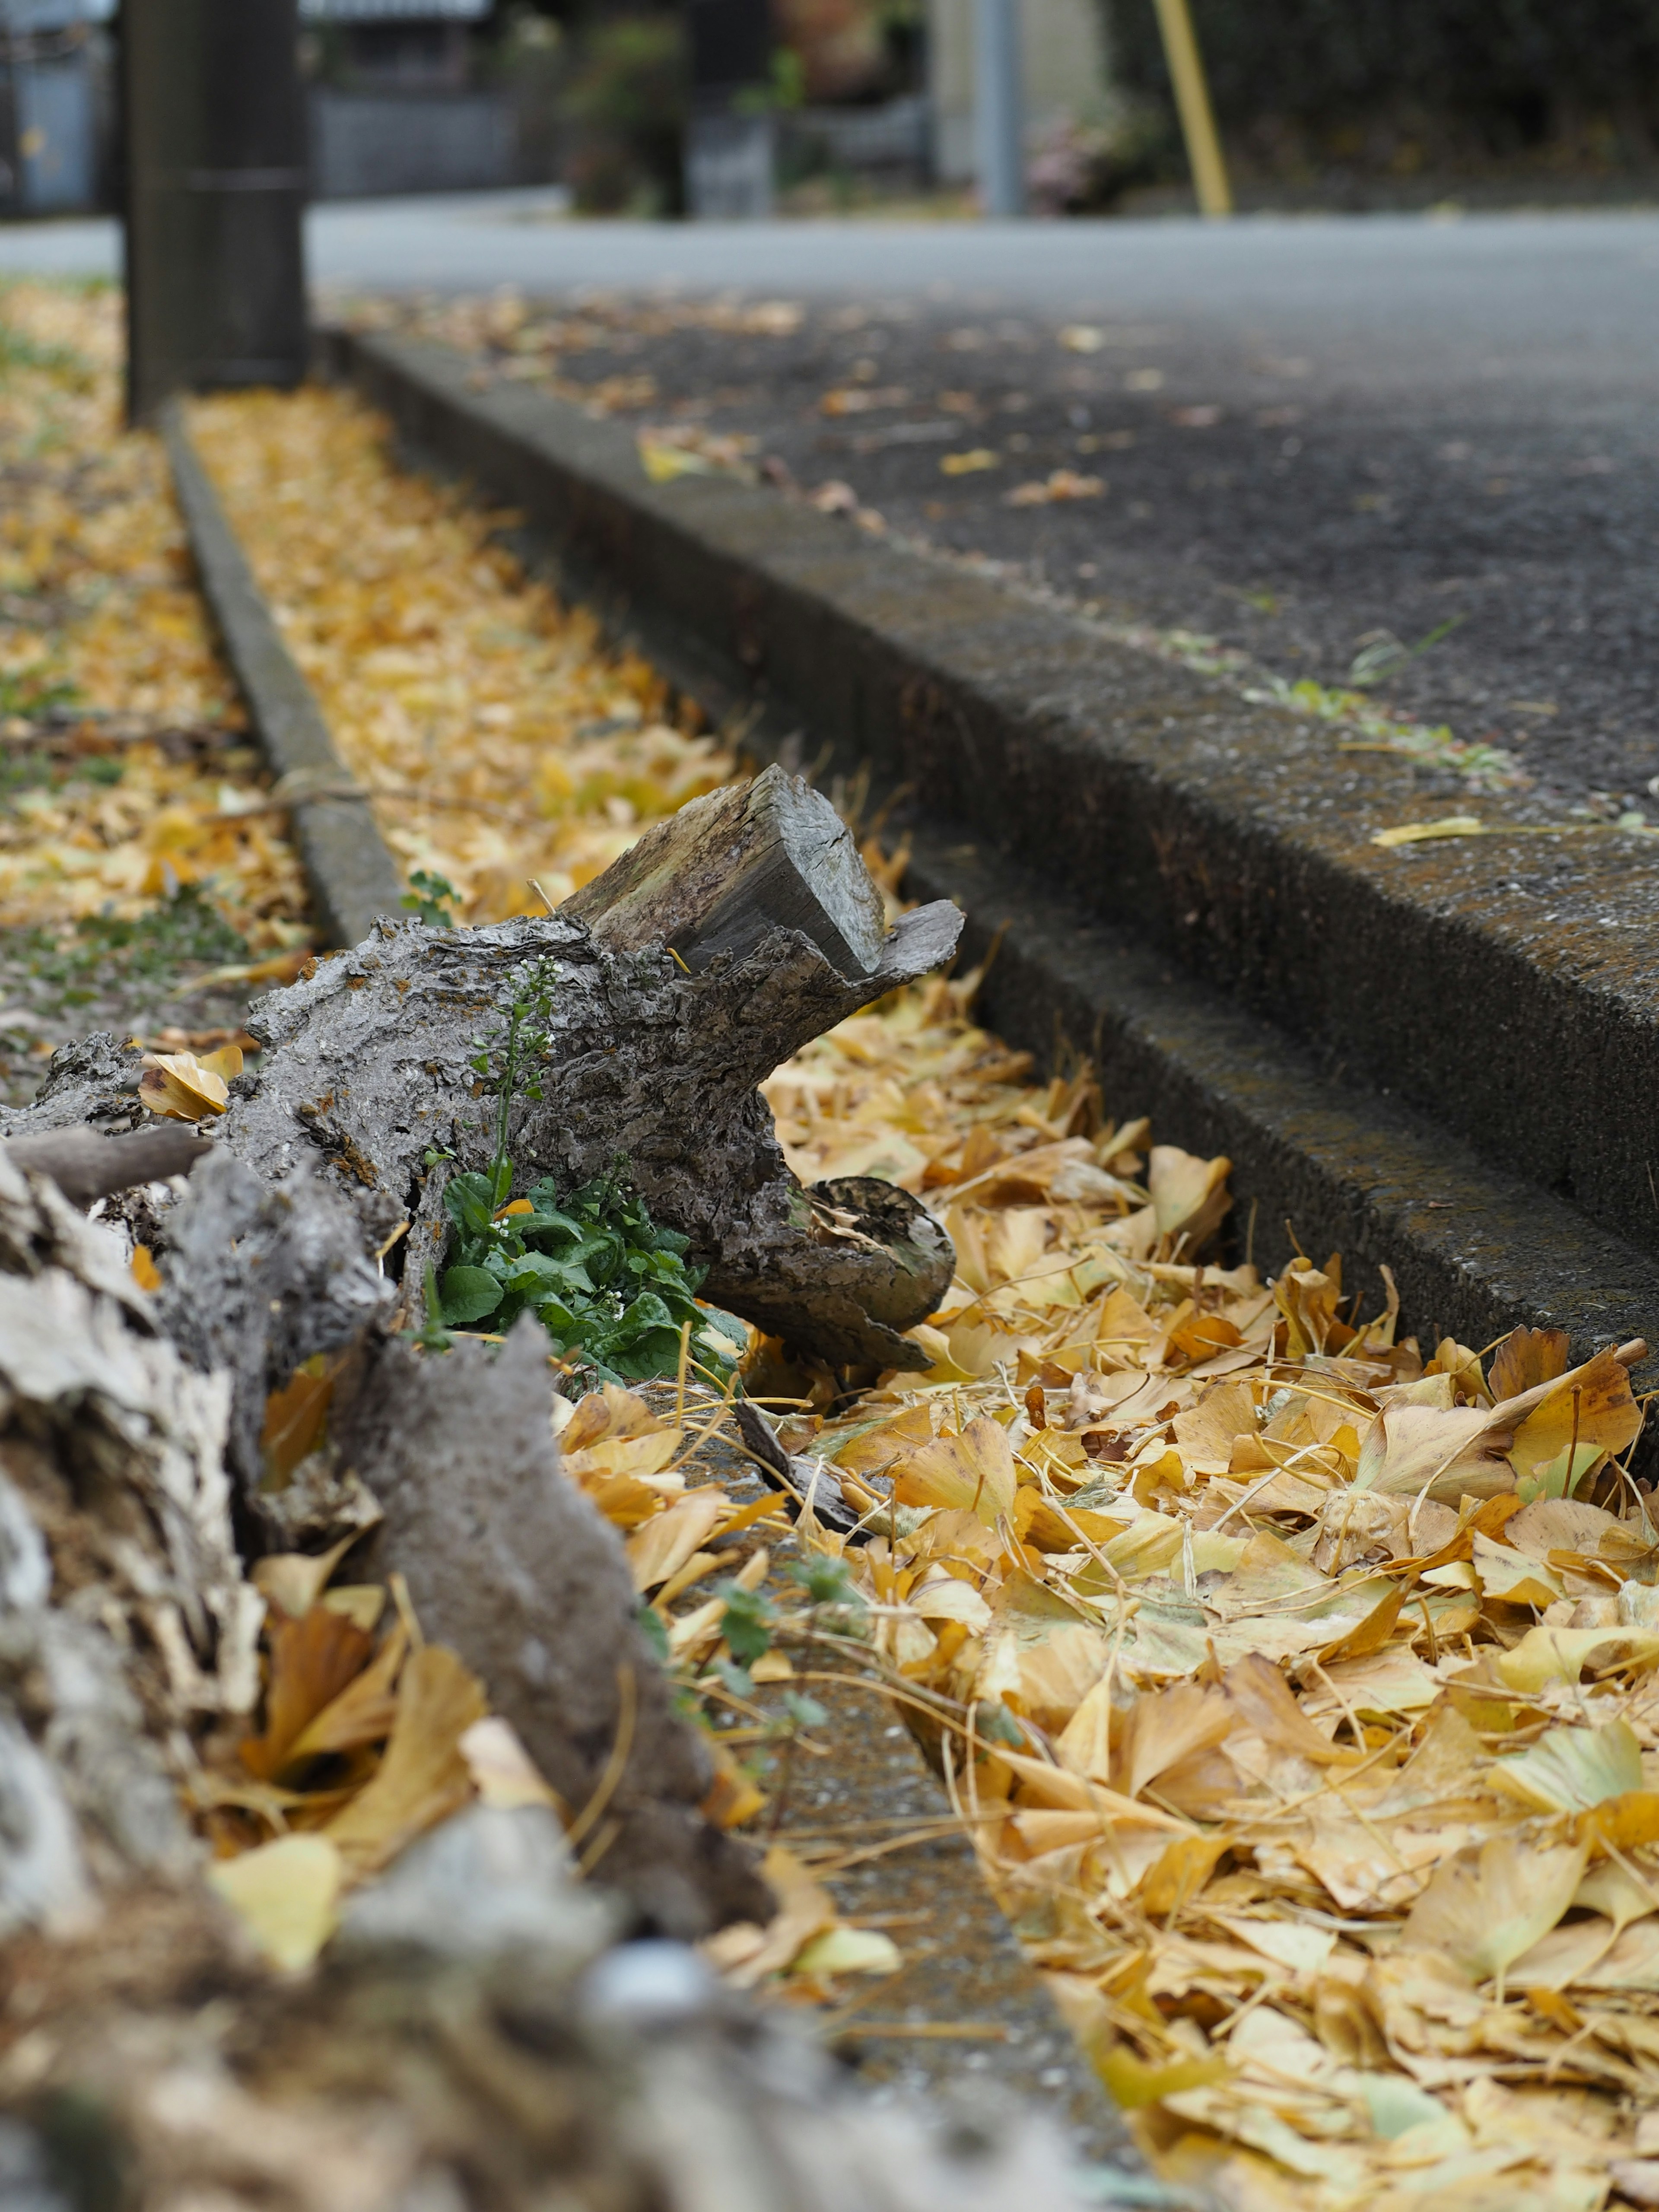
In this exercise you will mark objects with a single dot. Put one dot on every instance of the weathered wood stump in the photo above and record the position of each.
(728, 937)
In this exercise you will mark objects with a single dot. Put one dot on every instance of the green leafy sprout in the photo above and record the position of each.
(611, 1287)
(431, 898)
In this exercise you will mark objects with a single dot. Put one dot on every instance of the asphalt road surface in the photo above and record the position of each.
(1312, 434)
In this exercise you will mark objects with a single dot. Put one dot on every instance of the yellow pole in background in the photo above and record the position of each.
(1192, 103)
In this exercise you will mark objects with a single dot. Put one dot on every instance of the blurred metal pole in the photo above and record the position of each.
(214, 198)
(11, 154)
(1193, 104)
(730, 152)
(998, 109)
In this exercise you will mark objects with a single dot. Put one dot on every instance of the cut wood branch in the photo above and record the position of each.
(86, 1166)
(729, 868)
(683, 980)
(727, 938)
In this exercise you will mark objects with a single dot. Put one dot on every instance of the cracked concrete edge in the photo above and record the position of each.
(350, 874)
(1231, 836)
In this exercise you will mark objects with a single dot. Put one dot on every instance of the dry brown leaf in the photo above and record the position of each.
(1488, 1906)
(182, 1088)
(660, 1548)
(974, 1471)
(365, 1713)
(1167, 1726)
(312, 1660)
(424, 1776)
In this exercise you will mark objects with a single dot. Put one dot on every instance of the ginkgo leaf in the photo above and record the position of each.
(1190, 1198)
(1179, 1872)
(424, 1776)
(312, 1660)
(1547, 1654)
(295, 1581)
(1510, 1576)
(1424, 1451)
(364, 1712)
(286, 1894)
(1526, 1358)
(1592, 1407)
(296, 1418)
(941, 1597)
(849, 1951)
(181, 1087)
(745, 1954)
(975, 1470)
(1617, 1892)
(663, 1546)
(1570, 1769)
(1166, 1726)
(662, 462)
(1135, 2084)
(1485, 1907)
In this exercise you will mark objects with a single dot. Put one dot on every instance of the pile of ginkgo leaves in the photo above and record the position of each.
(1298, 1682)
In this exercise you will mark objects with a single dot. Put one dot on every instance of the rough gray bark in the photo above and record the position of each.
(92, 1083)
(509, 1564)
(86, 1166)
(123, 1614)
(472, 2037)
(258, 1280)
(368, 1063)
(368, 1067)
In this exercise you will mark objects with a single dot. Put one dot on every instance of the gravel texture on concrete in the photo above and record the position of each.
(1288, 495)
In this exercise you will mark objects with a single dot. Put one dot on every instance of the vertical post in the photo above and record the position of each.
(215, 199)
(998, 109)
(11, 156)
(729, 152)
(1193, 105)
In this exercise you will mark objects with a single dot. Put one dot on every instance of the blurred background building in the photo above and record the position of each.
(56, 105)
(861, 103)
(396, 103)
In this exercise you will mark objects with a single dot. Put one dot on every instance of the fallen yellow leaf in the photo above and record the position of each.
(1418, 833)
(424, 1775)
(183, 1088)
(1493, 1902)
(286, 1894)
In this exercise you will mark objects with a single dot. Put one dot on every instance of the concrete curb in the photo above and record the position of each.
(1402, 1055)
(914, 1866)
(351, 876)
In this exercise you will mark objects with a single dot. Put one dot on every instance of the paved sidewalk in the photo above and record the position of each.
(1339, 426)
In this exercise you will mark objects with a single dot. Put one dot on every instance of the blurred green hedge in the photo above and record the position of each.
(1471, 76)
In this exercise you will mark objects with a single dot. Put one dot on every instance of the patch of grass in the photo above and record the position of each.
(19, 351)
(23, 771)
(608, 1286)
(30, 696)
(104, 953)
